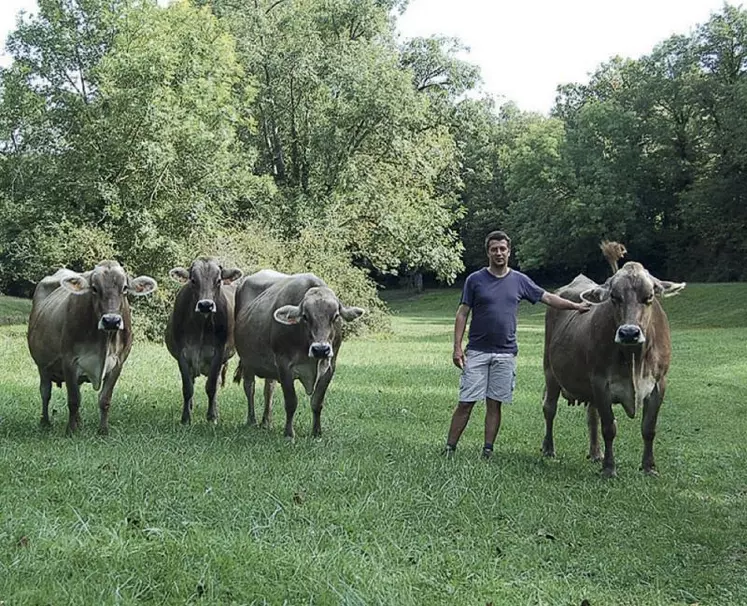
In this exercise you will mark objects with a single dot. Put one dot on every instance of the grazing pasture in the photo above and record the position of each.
(371, 513)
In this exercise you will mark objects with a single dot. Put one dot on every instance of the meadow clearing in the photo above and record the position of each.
(371, 513)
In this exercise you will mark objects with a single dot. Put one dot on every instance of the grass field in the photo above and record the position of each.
(371, 513)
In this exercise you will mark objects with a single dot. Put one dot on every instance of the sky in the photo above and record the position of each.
(526, 48)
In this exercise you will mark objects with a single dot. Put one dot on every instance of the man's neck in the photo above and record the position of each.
(499, 272)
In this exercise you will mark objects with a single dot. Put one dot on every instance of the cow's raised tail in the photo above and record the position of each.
(613, 252)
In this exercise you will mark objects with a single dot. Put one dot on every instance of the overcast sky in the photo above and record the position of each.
(525, 48)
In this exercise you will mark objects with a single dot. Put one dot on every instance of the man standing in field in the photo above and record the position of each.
(488, 366)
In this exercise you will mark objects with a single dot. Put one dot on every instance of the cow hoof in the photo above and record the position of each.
(651, 472)
(548, 452)
(71, 430)
(45, 424)
(609, 472)
(594, 457)
(266, 424)
(103, 431)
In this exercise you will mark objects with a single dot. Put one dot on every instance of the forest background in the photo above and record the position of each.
(305, 135)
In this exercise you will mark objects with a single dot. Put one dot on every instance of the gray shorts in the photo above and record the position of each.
(491, 375)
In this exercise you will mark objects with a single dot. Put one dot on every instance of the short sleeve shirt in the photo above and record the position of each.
(494, 303)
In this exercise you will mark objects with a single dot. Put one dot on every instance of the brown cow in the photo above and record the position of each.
(616, 353)
(80, 331)
(199, 334)
(287, 328)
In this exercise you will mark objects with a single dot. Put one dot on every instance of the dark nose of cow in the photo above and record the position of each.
(321, 350)
(629, 334)
(206, 306)
(111, 322)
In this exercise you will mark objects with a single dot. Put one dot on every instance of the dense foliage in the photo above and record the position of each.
(306, 135)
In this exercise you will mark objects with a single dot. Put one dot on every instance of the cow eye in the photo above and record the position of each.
(648, 300)
(193, 280)
(125, 288)
(94, 289)
(218, 282)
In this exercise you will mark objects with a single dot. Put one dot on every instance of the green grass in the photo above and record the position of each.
(371, 514)
(14, 310)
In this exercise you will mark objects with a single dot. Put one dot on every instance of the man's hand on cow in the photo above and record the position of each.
(458, 358)
(582, 307)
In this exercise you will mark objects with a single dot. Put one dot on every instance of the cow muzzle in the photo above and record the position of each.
(205, 306)
(111, 322)
(320, 351)
(629, 334)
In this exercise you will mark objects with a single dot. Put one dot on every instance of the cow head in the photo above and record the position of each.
(320, 313)
(205, 277)
(631, 293)
(109, 285)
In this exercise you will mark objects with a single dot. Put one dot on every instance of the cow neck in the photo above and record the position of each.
(109, 347)
(634, 357)
(322, 367)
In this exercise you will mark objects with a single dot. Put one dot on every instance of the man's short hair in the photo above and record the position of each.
(496, 235)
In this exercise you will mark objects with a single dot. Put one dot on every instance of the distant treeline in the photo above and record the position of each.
(307, 136)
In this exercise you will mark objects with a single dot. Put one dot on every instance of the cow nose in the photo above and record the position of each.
(205, 306)
(321, 350)
(110, 322)
(628, 334)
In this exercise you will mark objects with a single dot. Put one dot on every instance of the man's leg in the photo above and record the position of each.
(492, 425)
(472, 385)
(501, 378)
(459, 421)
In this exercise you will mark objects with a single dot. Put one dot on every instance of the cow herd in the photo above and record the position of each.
(288, 327)
(284, 327)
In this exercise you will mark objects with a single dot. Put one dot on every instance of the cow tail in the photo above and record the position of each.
(613, 252)
(238, 374)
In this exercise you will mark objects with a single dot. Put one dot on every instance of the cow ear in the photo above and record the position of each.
(142, 285)
(351, 313)
(77, 285)
(288, 314)
(596, 295)
(230, 275)
(668, 289)
(179, 274)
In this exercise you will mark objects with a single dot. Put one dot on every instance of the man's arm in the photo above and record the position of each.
(560, 303)
(460, 325)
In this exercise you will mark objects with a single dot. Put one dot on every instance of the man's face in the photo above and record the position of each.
(498, 252)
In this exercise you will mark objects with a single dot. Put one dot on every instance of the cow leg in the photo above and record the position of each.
(291, 401)
(188, 390)
(105, 398)
(267, 414)
(73, 401)
(249, 384)
(651, 406)
(609, 430)
(592, 420)
(223, 371)
(317, 402)
(45, 388)
(550, 408)
(211, 386)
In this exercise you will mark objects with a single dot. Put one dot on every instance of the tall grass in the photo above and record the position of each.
(371, 513)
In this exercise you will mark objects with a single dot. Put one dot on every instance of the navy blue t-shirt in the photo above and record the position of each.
(494, 303)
